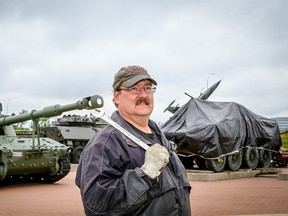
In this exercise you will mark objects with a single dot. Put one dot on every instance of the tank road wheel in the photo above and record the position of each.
(216, 164)
(234, 161)
(250, 158)
(265, 158)
(76, 154)
(200, 163)
(64, 169)
(3, 171)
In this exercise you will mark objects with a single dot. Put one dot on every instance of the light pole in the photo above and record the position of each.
(201, 91)
(209, 77)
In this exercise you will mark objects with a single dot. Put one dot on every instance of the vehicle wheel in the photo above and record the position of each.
(265, 158)
(250, 158)
(216, 164)
(200, 163)
(234, 161)
(76, 154)
(187, 161)
(3, 171)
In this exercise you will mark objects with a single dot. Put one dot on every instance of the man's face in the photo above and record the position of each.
(133, 105)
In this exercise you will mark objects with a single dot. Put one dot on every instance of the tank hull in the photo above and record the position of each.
(22, 159)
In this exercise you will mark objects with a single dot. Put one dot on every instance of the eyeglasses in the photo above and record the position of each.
(137, 90)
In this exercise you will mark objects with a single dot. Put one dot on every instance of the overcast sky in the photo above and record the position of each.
(59, 51)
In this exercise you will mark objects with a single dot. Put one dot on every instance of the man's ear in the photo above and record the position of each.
(116, 98)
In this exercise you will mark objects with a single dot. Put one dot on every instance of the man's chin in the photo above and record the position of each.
(144, 112)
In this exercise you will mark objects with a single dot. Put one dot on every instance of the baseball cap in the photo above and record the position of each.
(130, 75)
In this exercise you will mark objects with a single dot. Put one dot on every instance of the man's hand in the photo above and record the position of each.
(156, 159)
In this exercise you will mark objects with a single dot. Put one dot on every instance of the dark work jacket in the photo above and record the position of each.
(111, 182)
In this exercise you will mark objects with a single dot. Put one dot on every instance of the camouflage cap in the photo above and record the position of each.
(130, 75)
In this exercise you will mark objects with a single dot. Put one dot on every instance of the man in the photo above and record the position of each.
(115, 175)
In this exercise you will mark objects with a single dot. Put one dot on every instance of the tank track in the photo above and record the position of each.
(65, 167)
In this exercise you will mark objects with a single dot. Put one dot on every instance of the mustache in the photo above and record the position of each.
(142, 100)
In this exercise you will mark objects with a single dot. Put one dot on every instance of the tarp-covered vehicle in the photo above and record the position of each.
(222, 135)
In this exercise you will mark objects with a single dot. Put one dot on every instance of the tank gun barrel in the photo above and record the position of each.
(90, 102)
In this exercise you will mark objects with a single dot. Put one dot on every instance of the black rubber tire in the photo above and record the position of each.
(3, 171)
(200, 162)
(187, 161)
(76, 154)
(216, 164)
(265, 158)
(251, 158)
(234, 161)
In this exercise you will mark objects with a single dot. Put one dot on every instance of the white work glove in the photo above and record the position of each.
(156, 159)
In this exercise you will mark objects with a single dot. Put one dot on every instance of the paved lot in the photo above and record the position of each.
(249, 196)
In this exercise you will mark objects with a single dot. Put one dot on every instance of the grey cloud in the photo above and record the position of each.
(62, 50)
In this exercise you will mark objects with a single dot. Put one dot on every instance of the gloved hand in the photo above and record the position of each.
(156, 159)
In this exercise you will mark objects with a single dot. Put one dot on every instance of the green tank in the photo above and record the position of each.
(74, 131)
(36, 159)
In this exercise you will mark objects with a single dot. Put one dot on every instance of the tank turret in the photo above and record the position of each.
(37, 159)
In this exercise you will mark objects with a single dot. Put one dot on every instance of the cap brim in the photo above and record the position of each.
(137, 79)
